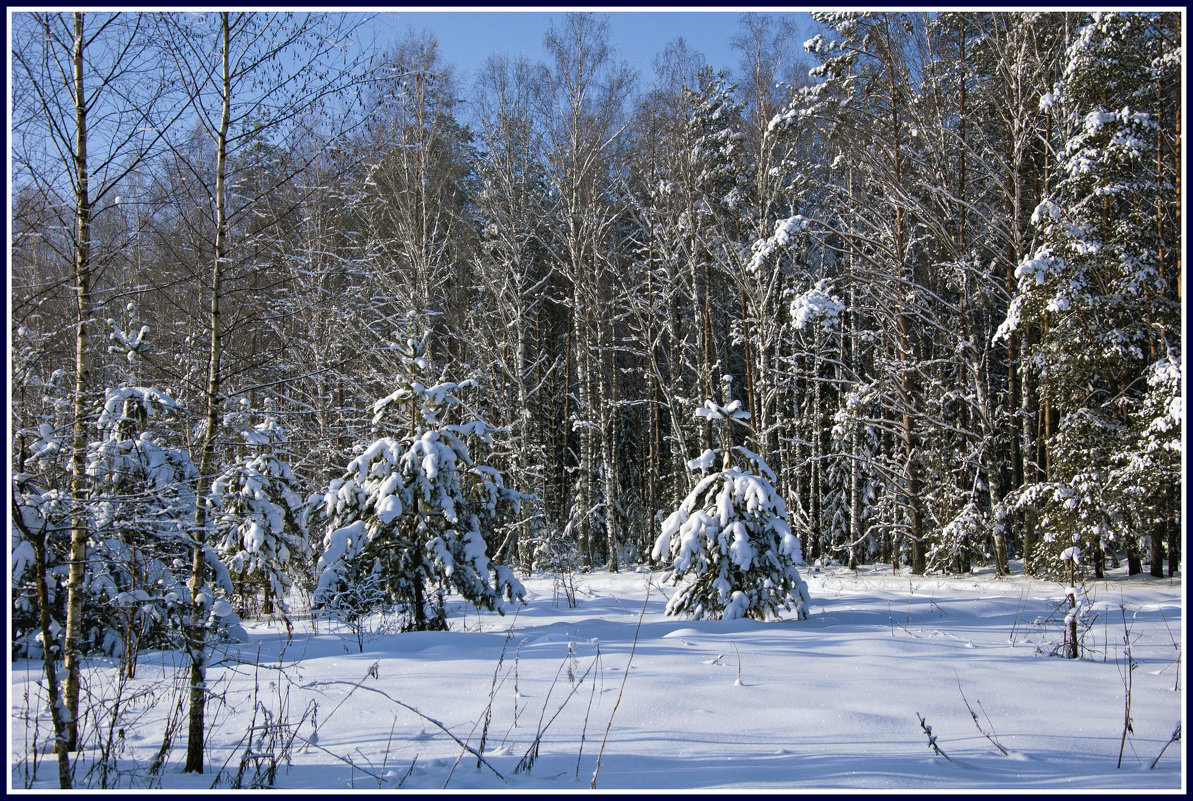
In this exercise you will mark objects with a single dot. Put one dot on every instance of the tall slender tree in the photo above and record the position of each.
(248, 76)
(519, 284)
(87, 85)
(583, 100)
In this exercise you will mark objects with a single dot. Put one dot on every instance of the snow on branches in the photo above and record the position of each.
(730, 536)
(259, 516)
(416, 511)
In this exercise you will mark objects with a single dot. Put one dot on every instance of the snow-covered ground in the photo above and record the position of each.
(828, 702)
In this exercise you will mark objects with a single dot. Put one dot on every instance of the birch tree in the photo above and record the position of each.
(89, 105)
(419, 169)
(521, 288)
(582, 108)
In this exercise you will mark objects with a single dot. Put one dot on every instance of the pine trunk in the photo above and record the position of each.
(1157, 537)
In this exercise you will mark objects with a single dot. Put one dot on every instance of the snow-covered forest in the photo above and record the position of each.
(311, 342)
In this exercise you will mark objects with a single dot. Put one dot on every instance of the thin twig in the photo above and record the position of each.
(587, 713)
(388, 745)
(1177, 686)
(891, 615)
(374, 671)
(974, 715)
(1176, 735)
(173, 724)
(425, 717)
(487, 715)
(1127, 682)
(1018, 606)
(493, 687)
(910, 595)
(528, 759)
(409, 771)
(532, 753)
(345, 760)
(931, 737)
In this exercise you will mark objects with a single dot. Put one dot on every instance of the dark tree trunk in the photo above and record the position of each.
(1158, 537)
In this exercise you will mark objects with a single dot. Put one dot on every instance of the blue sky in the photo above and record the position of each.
(467, 37)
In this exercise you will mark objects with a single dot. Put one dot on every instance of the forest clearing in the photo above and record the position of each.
(852, 369)
(830, 702)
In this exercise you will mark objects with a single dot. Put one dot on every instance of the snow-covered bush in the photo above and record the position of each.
(731, 538)
(259, 518)
(361, 603)
(558, 556)
(417, 509)
(1071, 618)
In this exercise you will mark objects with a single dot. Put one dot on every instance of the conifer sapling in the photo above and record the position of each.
(730, 536)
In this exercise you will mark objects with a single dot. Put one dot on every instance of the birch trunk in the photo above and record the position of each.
(78, 461)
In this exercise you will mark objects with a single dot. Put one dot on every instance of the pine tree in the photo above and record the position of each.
(730, 535)
(1096, 286)
(1147, 470)
(418, 512)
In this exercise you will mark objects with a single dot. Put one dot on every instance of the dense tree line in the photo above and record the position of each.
(937, 259)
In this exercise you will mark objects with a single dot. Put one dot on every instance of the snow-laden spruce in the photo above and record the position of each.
(411, 517)
(142, 508)
(259, 517)
(143, 503)
(729, 538)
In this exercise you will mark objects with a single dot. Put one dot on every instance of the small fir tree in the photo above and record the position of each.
(730, 536)
(416, 511)
(259, 518)
(143, 485)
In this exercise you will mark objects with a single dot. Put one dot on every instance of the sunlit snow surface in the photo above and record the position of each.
(830, 702)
